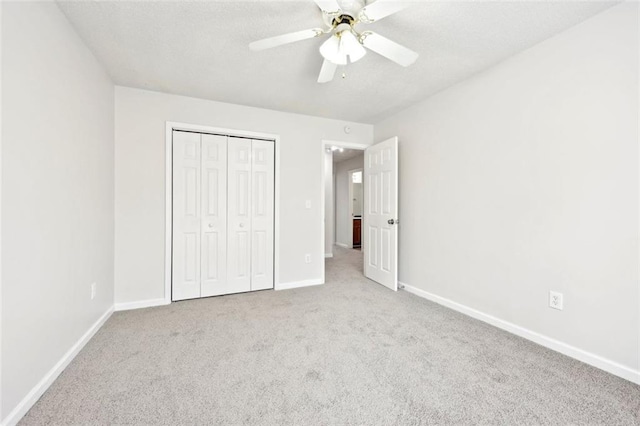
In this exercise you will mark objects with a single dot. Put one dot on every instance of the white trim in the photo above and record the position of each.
(299, 284)
(168, 212)
(0, 215)
(548, 342)
(638, 236)
(323, 208)
(32, 397)
(323, 193)
(127, 306)
(343, 245)
(168, 182)
(343, 144)
(276, 213)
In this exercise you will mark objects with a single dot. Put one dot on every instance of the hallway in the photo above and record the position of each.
(345, 265)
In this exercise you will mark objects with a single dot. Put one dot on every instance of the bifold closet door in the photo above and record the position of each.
(251, 213)
(223, 215)
(214, 217)
(199, 215)
(262, 214)
(186, 216)
(239, 213)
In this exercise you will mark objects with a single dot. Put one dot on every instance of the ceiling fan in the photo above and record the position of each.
(346, 44)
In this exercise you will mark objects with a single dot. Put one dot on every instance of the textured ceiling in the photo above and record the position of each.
(346, 154)
(200, 49)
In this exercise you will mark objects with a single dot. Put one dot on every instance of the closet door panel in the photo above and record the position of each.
(262, 214)
(239, 215)
(214, 215)
(186, 216)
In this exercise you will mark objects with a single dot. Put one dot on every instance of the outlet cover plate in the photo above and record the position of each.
(556, 300)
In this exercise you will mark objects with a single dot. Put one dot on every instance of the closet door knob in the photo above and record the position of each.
(211, 225)
(242, 225)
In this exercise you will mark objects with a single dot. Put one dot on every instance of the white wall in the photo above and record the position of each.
(140, 174)
(329, 216)
(524, 179)
(57, 189)
(344, 230)
(357, 196)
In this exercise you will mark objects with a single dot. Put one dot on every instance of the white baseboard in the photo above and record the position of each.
(326, 255)
(343, 245)
(32, 397)
(127, 306)
(298, 284)
(548, 342)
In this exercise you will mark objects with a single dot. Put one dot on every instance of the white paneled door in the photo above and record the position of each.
(239, 243)
(380, 221)
(262, 178)
(186, 215)
(213, 227)
(223, 215)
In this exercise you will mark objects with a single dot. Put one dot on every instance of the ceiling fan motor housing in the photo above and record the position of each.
(343, 19)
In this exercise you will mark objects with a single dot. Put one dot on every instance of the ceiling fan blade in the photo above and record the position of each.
(327, 71)
(389, 49)
(276, 41)
(381, 9)
(328, 6)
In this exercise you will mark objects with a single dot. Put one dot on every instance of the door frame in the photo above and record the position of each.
(350, 174)
(168, 185)
(323, 146)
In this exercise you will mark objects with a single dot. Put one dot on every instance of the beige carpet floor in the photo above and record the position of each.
(348, 352)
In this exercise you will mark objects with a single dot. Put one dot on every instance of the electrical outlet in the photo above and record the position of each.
(307, 258)
(555, 300)
(93, 291)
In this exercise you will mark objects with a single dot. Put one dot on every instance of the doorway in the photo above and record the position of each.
(341, 161)
(379, 214)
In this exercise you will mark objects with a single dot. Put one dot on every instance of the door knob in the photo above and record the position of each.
(391, 221)
(242, 225)
(211, 225)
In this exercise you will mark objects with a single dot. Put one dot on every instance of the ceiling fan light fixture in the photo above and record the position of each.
(350, 45)
(331, 50)
(345, 44)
